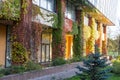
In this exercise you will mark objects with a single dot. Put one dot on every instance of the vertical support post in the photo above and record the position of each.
(78, 39)
(105, 40)
(58, 35)
(99, 40)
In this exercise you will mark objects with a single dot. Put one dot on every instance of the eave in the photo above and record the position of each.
(92, 11)
(100, 17)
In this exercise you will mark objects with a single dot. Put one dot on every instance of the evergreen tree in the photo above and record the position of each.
(95, 68)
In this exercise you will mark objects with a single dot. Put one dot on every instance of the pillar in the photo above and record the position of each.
(78, 39)
(91, 41)
(58, 34)
(104, 47)
(99, 40)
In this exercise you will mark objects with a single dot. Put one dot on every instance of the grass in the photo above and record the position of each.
(73, 78)
(113, 77)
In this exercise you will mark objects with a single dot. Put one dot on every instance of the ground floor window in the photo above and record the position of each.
(46, 51)
(8, 47)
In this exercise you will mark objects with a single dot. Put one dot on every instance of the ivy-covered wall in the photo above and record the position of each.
(58, 34)
(21, 32)
(90, 44)
(78, 38)
(104, 44)
(10, 9)
(99, 40)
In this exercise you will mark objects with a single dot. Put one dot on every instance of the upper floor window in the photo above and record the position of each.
(70, 11)
(86, 20)
(47, 4)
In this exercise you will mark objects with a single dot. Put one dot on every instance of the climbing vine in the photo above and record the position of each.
(91, 41)
(19, 53)
(10, 9)
(36, 39)
(75, 28)
(24, 6)
(54, 20)
(86, 32)
(57, 34)
(78, 39)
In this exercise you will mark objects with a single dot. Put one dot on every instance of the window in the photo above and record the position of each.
(46, 54)
(70, 11)
(36, 2)
(46, 4)
(86, 20)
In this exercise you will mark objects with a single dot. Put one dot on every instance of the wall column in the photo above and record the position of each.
(90, 46)
(99, 40)
(58, 34)
(104, 50)
(78, 39)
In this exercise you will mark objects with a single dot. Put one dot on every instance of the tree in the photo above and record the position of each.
(94, 68)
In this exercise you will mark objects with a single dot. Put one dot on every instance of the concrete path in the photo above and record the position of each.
(67, 73)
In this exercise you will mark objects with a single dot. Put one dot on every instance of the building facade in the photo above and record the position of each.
(92, 30)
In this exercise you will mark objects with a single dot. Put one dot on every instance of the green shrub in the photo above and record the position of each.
(116, 67)
(18, 54)
(58, 61)
(12, 70)
(19, 69)
(30, 65)
(76, 59)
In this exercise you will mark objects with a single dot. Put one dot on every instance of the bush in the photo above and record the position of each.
(19, 68)
(12, 70)
(58, 61)
(30, 65)
(18, 54)
(116, 65)
(95, 68)
(75, 59)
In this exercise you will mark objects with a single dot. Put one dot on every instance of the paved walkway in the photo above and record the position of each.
(60, 75)
(50, 73)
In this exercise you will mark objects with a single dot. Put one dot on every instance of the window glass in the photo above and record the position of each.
(73, 13)
(70, 11)
(86, 20)
(36, 2)
(51, 5)
(47, 4)
(43, 4)
(46, 47)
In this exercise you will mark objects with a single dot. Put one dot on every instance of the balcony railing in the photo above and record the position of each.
(9, 9)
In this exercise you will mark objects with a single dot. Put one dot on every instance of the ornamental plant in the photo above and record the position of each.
(19, 54)
(95, 68)
(116, 65)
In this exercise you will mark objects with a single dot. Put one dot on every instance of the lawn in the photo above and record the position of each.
(113, 77)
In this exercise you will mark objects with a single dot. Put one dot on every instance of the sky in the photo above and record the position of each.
(114, 31)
